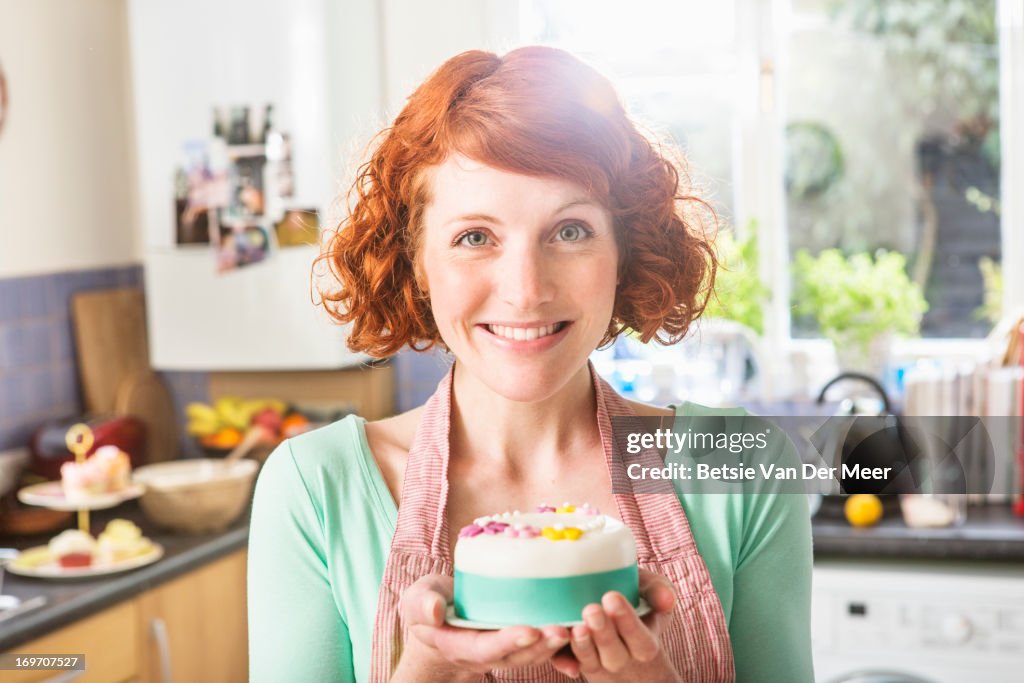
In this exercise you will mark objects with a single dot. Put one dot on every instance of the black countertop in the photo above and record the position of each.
(70, 600)
(990, 534)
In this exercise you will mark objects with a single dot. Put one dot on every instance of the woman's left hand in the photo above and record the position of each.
(614, 644)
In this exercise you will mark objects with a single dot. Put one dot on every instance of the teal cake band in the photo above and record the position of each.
(539, 601)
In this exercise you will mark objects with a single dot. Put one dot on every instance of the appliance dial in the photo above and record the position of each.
(955, 629)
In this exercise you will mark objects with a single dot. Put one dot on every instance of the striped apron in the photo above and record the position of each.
(695, 637)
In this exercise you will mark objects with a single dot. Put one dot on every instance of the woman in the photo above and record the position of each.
(515, 216)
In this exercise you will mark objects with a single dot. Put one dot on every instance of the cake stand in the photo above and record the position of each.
(49, 494)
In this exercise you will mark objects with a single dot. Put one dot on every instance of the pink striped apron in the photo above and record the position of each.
(696, 637)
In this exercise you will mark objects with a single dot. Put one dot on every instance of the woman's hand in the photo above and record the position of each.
(437, 651)
(614, 644)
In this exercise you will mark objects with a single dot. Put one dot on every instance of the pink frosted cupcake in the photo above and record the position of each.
(82, 480)
(108, 470)
(115, 465)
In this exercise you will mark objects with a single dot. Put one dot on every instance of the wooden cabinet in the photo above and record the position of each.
(191, 629)
(108, 641)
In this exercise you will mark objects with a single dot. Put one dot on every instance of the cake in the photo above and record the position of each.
(542, 567)
(108, 470)
(73, 548)
(121, 540)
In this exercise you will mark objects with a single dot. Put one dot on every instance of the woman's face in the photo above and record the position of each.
(521, 273)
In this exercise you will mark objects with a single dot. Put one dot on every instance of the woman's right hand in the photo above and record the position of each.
(437, 651)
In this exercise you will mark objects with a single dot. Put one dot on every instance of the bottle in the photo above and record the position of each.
(218, 123)
(239, 133)
(268, 123)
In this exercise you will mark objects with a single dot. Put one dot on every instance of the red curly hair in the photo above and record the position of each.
(537, 111)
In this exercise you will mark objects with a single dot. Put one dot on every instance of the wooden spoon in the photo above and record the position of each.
(253, 438)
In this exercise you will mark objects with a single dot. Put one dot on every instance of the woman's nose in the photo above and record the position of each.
(525, 280)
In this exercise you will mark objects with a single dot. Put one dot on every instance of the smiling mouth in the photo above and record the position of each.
(526, 333)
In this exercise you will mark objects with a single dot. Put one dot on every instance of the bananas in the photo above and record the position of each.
(227, 412)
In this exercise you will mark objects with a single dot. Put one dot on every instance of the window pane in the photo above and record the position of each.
(676, 76)
(892, 141)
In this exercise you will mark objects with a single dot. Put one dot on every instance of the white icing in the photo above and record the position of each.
(605, 547)
(72, 541)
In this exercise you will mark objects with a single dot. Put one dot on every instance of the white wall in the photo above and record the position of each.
(66, 173)
(419, 36)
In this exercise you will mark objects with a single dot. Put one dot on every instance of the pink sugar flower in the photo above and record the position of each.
(494, 528)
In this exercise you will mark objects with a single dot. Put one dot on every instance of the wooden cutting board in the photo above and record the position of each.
(143, 395)
(113, 361)
(110, 334)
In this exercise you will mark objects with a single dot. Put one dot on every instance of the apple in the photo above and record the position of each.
(269, 419)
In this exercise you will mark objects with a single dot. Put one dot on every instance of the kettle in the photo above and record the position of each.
(857, 406)
(870, 436)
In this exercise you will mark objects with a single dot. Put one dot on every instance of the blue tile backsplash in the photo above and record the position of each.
(38, 368)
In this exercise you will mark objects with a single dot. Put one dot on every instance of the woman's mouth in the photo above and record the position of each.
(525, 333)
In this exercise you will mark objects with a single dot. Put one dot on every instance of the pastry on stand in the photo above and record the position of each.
(89, 483)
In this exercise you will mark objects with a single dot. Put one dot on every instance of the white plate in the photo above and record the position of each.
(641, 610)
(49, 494)
(52, 570)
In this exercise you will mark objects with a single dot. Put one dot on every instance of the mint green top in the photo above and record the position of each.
(322, 522)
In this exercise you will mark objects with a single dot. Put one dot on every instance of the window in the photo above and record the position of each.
(855, 124)
(891, 141)
(676, 75)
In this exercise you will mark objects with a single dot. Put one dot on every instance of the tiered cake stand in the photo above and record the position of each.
(50, 494)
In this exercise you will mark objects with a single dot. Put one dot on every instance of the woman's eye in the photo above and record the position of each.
(572, 232)
(473, 238)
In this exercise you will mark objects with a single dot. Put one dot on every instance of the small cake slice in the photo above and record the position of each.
(73, 548)
(121, 540)
(33, 557)
(542, 567)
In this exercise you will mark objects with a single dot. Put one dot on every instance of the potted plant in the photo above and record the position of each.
(740, 294)
(859, 303)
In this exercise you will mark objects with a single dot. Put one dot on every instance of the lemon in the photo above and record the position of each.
(863, 509)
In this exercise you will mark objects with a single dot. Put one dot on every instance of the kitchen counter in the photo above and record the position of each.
(991, 533)
(70, 600)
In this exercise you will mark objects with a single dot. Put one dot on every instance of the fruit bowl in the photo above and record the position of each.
(198, 495)
(230, 421)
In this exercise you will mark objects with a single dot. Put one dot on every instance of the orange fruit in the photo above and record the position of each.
(863, 509)
(294, 424)
(229, 437)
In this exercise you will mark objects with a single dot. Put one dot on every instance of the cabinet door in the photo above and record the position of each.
(194, 628)
(108, 641)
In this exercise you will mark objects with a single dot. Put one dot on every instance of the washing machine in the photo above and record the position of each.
(917, 622)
